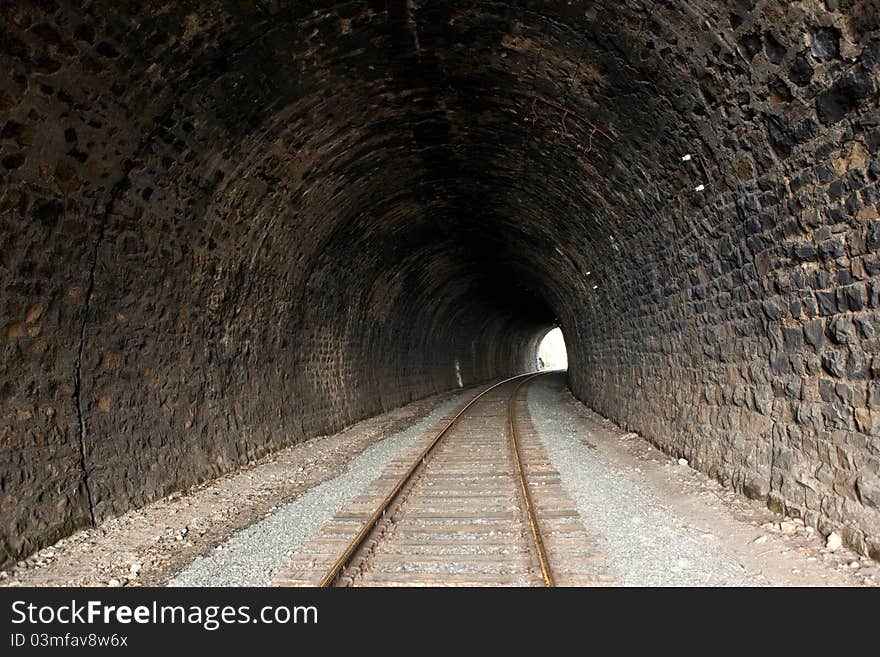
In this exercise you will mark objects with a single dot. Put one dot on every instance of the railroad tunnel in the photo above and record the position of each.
(228, 227)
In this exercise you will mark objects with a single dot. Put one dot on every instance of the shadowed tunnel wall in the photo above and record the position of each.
(230, 226)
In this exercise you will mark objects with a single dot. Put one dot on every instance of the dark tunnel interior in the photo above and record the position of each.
(227, 227)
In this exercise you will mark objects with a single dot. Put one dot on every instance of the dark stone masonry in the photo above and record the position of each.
(226, 227)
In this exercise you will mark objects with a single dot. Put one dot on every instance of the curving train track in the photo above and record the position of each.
(476, 503)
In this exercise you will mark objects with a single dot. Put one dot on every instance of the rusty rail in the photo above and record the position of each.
(546, 573)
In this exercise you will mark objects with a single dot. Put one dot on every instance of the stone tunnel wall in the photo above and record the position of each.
(190, 280)
(742, 331)
(228, 226)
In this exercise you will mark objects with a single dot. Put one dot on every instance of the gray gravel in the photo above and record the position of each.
(253, 555)
(644, 544)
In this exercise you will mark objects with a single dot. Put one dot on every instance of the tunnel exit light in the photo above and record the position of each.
(552, 354)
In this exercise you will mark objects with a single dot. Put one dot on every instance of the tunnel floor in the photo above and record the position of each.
(655, 520)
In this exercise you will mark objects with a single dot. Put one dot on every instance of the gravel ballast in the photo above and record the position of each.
(644, 544)
(252, 556)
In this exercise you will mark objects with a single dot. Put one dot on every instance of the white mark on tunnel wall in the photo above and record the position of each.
(458, 373)
(551, 352)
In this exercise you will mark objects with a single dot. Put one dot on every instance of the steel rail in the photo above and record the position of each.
(546, 573)
(357, 542)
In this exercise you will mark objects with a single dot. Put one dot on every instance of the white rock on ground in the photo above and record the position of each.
(833, 542)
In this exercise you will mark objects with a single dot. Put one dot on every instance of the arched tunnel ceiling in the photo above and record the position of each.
(265, 220)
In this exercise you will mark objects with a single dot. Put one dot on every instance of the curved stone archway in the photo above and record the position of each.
(230, 226)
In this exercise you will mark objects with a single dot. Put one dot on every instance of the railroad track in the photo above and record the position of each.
(475, 503)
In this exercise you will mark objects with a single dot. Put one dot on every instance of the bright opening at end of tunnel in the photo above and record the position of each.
(551, 352)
